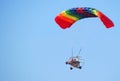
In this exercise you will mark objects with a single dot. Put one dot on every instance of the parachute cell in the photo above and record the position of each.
(68, 17)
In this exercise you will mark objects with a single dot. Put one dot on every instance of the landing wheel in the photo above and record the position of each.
(80, 67)
(66, 62)
(71, 68)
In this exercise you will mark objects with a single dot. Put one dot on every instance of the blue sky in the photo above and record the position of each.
(34, 48)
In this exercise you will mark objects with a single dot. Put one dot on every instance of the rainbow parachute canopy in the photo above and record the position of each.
(68, 17)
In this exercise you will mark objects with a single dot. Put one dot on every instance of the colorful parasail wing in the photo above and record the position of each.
(68, 17)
